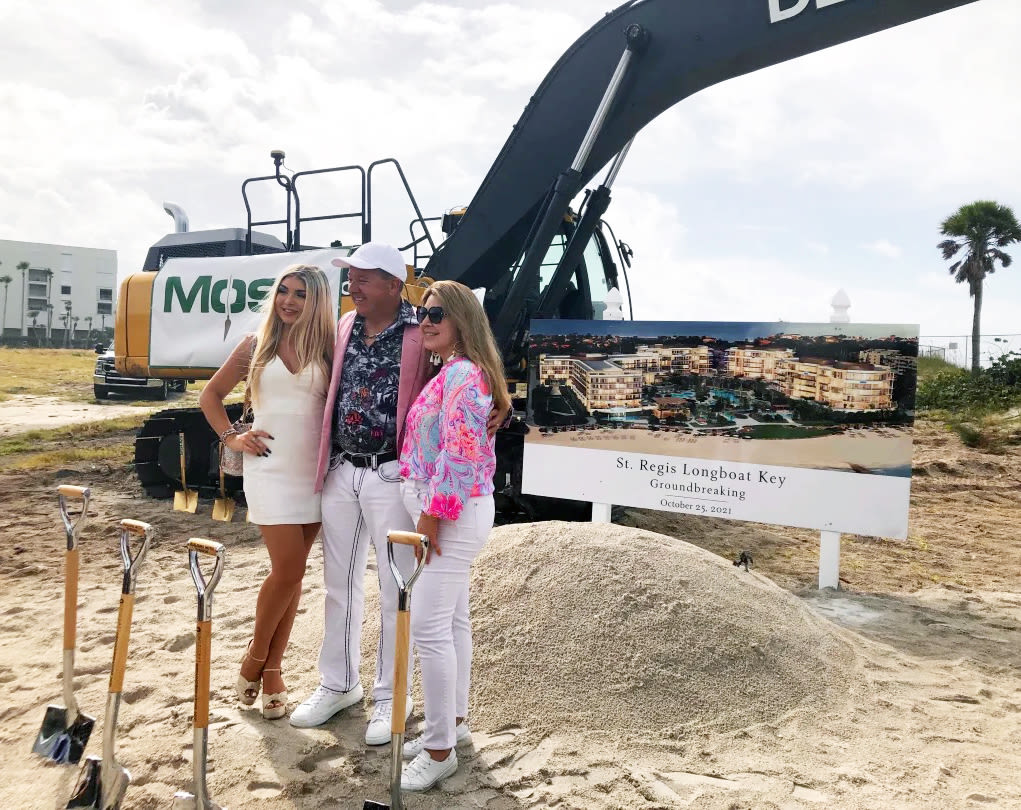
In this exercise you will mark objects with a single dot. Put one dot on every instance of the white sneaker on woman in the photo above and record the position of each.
(423, 771)
(462, 734)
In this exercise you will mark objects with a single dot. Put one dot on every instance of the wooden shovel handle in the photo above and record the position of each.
(203, 651)
(69, 491)
(400, 704)
(204, 546)
(405, 538)
(135, 527)
(70, 598)
(120, 647)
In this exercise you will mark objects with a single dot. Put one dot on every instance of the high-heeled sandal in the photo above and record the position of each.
(274, 706)
(248, 691)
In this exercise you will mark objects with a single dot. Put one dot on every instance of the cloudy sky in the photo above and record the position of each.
(756, 199)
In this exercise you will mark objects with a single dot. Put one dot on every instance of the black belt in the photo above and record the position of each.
(368, 459)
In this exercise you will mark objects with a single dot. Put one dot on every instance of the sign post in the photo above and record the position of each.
(829, 560)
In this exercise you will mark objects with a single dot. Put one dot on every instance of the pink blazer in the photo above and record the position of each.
(414, 368)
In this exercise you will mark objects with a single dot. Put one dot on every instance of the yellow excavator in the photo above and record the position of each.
(518, 239)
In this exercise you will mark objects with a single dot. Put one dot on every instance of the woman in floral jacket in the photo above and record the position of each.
(447, 463)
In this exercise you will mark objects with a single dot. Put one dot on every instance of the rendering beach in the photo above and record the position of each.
(882, 451)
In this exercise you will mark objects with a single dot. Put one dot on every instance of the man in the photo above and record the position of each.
(379, 367)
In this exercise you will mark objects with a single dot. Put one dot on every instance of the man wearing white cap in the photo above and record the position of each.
(379, 368)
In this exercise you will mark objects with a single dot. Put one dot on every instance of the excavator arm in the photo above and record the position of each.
(686, 46)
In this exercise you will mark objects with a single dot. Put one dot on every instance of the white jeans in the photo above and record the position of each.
(440, 624)
(360, 505)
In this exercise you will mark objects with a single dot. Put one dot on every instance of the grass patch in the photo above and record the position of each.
(789, 432)
(990, 432)
(62, 373)
(931, 366)
(112, 453)
(65, 373)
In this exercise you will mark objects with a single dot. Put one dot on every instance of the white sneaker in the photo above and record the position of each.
(423, 771)
(322, 704)
(462, 735)
(378, 731)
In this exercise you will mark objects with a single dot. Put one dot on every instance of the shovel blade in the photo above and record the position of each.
(368, 804)
(100, 787)
(186, 500)
(87, 793)
(223, 509)
(60, 742)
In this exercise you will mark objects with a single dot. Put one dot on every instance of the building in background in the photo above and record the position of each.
(57, 295)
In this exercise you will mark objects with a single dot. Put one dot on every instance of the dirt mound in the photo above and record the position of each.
(609, 628)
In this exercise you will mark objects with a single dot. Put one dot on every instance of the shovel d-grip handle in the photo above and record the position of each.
(72, 529)
(203, 587)
(131, 564)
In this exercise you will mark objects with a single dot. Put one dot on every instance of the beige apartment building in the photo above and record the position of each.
(841, 386)
(599, 383)
(891, 358)
(758, 364)
(680, 359)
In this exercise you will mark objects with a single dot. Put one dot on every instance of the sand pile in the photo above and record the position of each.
(608, 628)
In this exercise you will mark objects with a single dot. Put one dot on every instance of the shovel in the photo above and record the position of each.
(400, 663)
(185, 500)
(223, 507)
(65, 730)
(102, 782)
(199, 800)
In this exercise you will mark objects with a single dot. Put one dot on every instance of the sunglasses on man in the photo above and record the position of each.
(434, 314)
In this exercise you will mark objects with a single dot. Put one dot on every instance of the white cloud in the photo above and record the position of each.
(884, 247)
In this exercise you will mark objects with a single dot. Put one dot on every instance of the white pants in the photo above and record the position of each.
(440, 624)
(360, 505)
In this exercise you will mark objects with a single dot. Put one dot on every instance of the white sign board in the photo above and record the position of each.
(787, 496)
(201, 308)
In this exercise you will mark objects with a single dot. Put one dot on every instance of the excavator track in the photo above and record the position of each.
(157, 454)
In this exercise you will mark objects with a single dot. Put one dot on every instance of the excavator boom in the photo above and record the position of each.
(690, 45)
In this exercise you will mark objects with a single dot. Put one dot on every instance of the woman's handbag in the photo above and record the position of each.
(232, 461)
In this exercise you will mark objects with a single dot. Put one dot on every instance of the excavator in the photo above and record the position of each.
(518, 239)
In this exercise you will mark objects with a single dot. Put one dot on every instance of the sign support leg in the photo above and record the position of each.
(829, 560)
(601, 512)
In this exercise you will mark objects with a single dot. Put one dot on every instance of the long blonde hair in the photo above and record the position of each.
(474, 337)
(312, 334)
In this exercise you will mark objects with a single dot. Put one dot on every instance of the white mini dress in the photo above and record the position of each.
(280, 487)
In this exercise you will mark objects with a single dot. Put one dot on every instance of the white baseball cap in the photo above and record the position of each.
(377, 256)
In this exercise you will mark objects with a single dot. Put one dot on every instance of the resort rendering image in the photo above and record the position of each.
(709, 386)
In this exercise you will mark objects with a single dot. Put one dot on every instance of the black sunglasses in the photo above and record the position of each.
(434, 314)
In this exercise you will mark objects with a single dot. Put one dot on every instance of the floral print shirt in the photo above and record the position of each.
(365, 417)
(445, 440)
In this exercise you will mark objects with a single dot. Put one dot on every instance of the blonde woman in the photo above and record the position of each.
(287, 365)
(447, 463)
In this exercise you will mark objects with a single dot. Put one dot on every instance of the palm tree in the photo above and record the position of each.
(88, 322)
(5, 280)
(981, 228)
(23, 267)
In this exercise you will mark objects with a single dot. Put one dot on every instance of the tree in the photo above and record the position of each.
(5, 280)
(981, 230)
(23, 267)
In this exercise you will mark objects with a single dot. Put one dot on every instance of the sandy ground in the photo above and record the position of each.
(915, 700)
(872, 449)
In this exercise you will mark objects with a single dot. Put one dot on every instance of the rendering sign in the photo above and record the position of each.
(805, 424)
